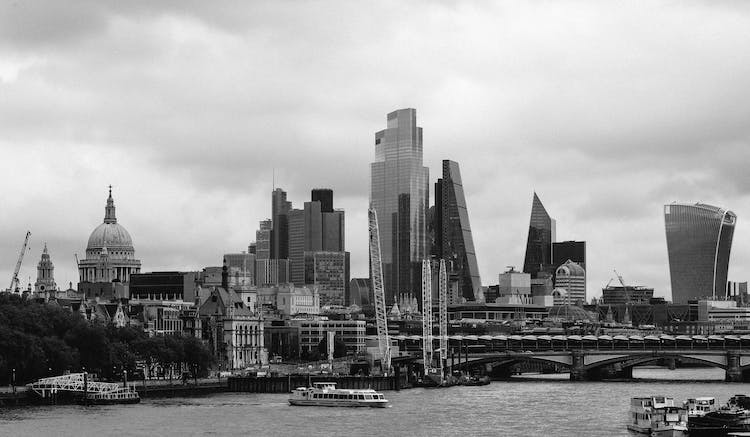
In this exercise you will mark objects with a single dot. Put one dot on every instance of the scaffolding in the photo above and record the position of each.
(426, 314)
(443, 317)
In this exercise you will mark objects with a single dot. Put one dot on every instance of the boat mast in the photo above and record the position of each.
(376, 267)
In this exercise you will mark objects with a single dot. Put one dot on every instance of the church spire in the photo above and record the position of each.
(109, 210)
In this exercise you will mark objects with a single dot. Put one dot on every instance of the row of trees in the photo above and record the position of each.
(39, 340)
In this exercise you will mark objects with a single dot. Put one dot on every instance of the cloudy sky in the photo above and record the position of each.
(607, 109)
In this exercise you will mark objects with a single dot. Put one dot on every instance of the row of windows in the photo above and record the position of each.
(352, 397)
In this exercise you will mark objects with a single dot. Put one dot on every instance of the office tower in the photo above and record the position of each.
(572, 278)
(313, 229)
(330, 273)
(539, 244)
(241, 268)
(453, 240)
(399, 193)
(263, 239)
(325, 197)
(699, 240)
(280, 207)
(569, 250)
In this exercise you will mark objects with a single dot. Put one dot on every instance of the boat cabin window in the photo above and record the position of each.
(361, 397)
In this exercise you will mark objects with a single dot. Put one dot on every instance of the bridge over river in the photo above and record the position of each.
(591, 357)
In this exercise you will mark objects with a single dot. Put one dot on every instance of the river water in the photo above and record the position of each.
(550, 406)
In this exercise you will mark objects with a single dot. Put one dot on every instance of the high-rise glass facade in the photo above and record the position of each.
(453, 240)
(399, 193)
(699, 240)
(539, 244)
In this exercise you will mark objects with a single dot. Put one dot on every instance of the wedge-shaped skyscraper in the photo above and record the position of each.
(539, 243)
(699, 239)
(453, 241)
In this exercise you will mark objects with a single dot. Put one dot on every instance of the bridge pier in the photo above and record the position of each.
(733, 371)
(577, 368)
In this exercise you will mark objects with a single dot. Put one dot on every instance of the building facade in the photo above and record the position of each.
(453, 240)
(569, 250)
(699, 241)
(312, 332)
(399, 194)
(539, 243)
(571, 277)
(626, 295)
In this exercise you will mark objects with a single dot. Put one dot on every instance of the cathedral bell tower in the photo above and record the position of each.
(45, 274)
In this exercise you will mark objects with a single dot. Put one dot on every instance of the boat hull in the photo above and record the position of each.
(338, 403)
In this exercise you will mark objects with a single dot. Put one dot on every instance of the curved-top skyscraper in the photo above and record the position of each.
(399, 193)
(699, 239)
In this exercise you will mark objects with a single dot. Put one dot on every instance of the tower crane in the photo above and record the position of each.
(443, 317)
(14, 279)
(376, 267)
(426, 315)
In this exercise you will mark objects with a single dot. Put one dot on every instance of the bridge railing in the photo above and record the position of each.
(73, 382)
(497, 343)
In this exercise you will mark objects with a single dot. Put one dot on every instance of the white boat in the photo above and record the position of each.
(325, 394)
(657, 416)
(697, 407)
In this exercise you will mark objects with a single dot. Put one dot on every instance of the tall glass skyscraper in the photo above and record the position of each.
(453, 241)
(699, 239)
(399, 193)
(539, 243)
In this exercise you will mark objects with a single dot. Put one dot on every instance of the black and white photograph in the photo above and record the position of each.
(375, 218)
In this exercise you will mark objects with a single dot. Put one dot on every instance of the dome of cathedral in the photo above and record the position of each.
(110, 234)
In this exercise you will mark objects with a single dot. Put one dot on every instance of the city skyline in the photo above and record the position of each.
(606, 134)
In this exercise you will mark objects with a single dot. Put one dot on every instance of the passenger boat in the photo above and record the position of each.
(700, 406)
(657, 416)
(325, 394)
(731, 418)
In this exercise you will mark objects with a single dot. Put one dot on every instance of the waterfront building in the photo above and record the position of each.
(164, 287)
(312, 332)
(539, 242)
(571, 277)
(45, 275)
(110, 255)
(399, 194)
(699, 240)
(626, 294)
(232, 330)
(495, 312)
(569, 250)
(453, 240)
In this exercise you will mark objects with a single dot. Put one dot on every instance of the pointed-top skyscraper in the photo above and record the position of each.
(539, 243)
(399, 193)
(453, 240)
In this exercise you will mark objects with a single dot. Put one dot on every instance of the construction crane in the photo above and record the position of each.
(619, 278)
(426, 315)
(376, 266)
(14, 279)
(443, 317)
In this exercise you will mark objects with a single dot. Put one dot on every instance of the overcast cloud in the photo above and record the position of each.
(607, 109)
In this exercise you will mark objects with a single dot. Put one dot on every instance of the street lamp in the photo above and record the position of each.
(125, 378)
(13, 380)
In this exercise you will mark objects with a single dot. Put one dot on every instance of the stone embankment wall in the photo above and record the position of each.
(285, 384)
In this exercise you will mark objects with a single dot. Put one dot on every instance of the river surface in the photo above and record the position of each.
(550, 406)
